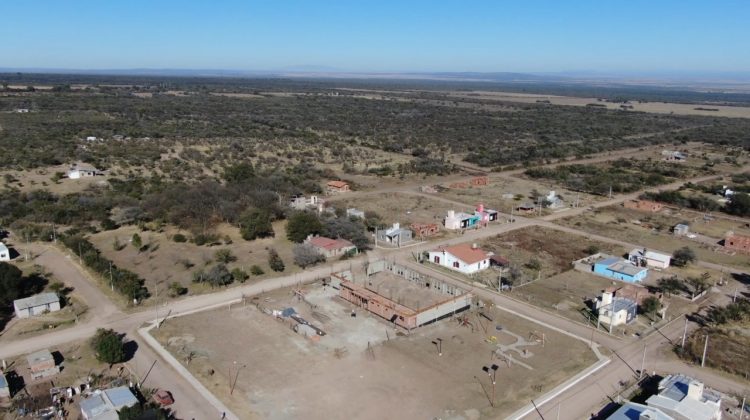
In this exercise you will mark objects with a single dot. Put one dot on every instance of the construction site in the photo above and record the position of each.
(308, 351)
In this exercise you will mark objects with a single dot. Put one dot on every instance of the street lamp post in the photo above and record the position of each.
(492, 374)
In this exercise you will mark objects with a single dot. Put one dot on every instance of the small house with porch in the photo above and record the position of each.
(465, 258)
(337, 187)
(330, 248)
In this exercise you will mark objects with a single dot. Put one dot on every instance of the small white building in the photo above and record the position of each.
(614, 310)
(78, 172)
(353, 212)
(36, 305)
(646, 258)
(464, 258)
(4, 252)
(91, 138)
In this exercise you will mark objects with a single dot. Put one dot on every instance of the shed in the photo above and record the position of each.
(681, 229)
(42, 364)
(4, 387)
(4, 252)
(646, 258)
(36, 305)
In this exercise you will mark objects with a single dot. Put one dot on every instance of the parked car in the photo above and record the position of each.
(163, 397)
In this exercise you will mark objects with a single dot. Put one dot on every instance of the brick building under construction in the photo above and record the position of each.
(405, 297)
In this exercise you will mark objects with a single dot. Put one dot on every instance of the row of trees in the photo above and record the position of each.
(127, 283)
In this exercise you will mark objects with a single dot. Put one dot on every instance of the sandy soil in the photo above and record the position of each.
(399, 377)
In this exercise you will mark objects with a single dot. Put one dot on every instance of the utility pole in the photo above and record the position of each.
(684, 334)
(742, 408)
(80, 260)
(734, 298)
(111, 278)
(705, 348)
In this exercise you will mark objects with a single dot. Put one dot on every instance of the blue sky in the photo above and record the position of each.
(377, 36)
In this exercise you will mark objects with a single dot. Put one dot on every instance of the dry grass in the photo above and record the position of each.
(167, 261)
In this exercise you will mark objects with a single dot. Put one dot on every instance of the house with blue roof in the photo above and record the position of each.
(619, 269)
(103, 405)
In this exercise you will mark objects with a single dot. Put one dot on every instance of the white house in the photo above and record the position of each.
(646, 258)
(36, 305)
(78, 172)
(615, 311)
(682, 397)
(91, 138)
(464, 258)
(4, 252)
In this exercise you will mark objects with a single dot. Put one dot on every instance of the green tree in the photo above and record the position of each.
(670, 285)
(239, 275)
(11, 283)
(138, 412)
(176, 289)
(219, 275)
(275, 261)
(256, 223)
(739, 205)
(224, 256)
(256, 270)
(650, 306)
(136, 241)
(699, 284)
(301, 224)
(108, 346)
(241, 172)
(683, 256)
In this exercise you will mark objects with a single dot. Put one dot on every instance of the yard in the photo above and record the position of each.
(362, 362)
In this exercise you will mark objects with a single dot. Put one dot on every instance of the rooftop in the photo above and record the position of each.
(619, 304)
(651, 255)
(674, 395)
(626, 268)
(328, 243)
(337, 184)
(40, 356)
(120, 397)
(466, 253)
(634, 411)
(36, 300)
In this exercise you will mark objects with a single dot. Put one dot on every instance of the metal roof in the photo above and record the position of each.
(36, 300)
(634, 411)
(120, 397)
(626, 268)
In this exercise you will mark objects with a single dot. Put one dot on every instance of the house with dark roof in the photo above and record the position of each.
(465, 258)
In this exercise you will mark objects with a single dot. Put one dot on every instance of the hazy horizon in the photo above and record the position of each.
(637, 38)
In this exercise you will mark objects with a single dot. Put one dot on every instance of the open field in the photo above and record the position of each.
(167, 261)
(505, 192)
(362, 361)
(555, 251)
(651, 107)
(399, 207)
(616, 222)
(42, 178)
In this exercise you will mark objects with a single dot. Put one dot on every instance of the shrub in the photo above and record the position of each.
(275, 261)
(178, 237)
(108, 346)
(239, 275)
(256, 270)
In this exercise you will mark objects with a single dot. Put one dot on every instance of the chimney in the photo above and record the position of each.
(695, 390)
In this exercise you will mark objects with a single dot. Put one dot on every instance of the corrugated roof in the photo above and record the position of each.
(633, 411)
(120, 397)
(625, 267)
(36, 300)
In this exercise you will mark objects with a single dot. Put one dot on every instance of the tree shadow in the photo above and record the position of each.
(34, 284)
(130, 348)
(743, 278)
(58, 358)
(13, 254)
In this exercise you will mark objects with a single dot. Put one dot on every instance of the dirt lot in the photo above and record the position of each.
(554, 250)
(41, 178)
(617, 222)
(167, 261)
(362, 366)
(654, 107)
(513, 187)
(399, 207)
